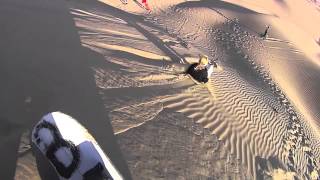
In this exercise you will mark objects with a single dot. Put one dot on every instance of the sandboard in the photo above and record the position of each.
(70, 149)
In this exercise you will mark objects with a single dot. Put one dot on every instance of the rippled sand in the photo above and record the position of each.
(258, 117)
(261, 105)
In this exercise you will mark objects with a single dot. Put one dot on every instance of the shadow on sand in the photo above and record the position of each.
(44, 68)
(265, 166)
(136, 22)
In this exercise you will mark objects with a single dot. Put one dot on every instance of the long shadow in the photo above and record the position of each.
(41, 59)
(133, 58)
(134, 20)
(175, 57)
(149, 91)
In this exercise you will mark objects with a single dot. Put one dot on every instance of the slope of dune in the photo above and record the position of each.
(258, 117)
(243, 105)
(266, 120)
(250, 106)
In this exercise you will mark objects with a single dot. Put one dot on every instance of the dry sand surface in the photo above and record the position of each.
(117, 69)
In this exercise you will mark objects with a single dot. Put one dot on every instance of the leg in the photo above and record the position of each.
(210, 70)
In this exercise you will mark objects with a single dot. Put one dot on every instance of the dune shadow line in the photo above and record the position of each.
(42, 59)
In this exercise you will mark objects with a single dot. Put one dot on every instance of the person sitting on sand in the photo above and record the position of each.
(201, 71)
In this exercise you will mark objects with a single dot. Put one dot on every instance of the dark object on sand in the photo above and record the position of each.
(264, 35)
(200, 75)
(275, 110)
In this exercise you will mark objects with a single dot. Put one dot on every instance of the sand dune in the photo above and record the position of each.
(257, 118)
(246, 111)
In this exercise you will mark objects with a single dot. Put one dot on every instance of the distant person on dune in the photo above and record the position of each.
(201, 71)
(146, 5)
(143, 3)
(265, 34)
